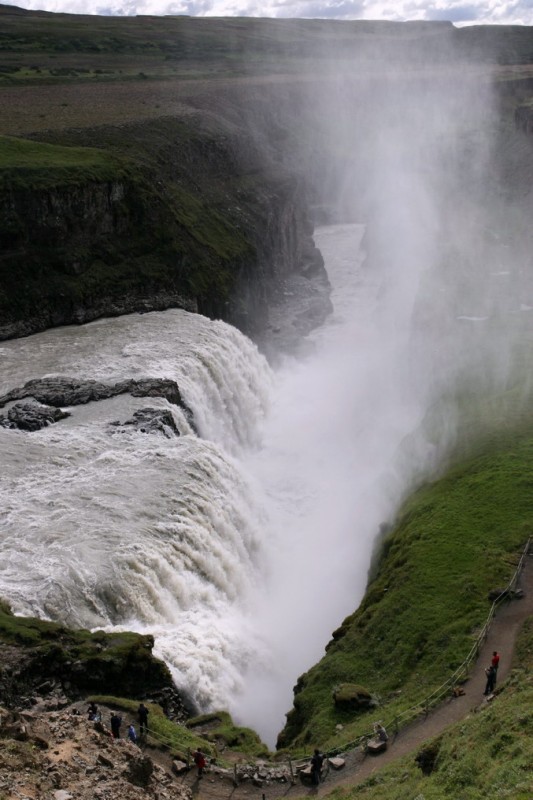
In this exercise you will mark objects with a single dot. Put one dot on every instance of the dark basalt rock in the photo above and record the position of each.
(31, 416)
(63, 391)
(150, 420)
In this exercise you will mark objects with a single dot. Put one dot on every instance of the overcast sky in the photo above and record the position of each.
(460, 12)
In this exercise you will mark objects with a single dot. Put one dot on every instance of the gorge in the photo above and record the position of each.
(373, 374)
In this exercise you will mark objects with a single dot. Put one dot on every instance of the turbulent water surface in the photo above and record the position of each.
(243, 546)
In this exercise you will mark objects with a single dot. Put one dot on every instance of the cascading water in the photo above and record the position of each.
(102, 527)
(240, 549)
(243, 547)
(328, 466)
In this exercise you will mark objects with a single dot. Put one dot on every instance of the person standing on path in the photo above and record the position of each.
(495, 660)
(142, 713)
(116, 722)
(317, 760)
(199, 760)
(491, 679)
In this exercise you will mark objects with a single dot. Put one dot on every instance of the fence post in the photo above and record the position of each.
(235, 779)
(188, 758)
(292, 773)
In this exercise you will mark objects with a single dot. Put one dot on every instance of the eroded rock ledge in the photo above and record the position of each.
(54, 393)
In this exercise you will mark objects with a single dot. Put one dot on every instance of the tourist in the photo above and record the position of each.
(142, 713)
(380, 732)
(495, 660)
(116, 722)
(132, 736)
(490, 672)
(317, 759)
(199, 760)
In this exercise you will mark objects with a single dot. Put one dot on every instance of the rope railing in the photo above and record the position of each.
(400, 720)
(421, 708)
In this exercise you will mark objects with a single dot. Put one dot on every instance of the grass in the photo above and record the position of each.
(154, 230)
(214, 733)
(488, 754)
(37, 47)
(35, 165)
(82, 658)
(218, 727)
(166, 734)
(455, 540)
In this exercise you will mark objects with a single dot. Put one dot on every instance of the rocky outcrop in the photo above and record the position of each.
(60, 755)
(54, 393)
(200, 220)
(31, 416)
(150, 420)
(352, 697)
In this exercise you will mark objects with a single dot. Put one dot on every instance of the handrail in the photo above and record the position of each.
(402, 719)
(431, 699)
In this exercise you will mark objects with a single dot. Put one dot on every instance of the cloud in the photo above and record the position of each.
(518, 12)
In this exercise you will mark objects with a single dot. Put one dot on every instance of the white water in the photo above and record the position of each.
(241, 550)
(329, 468)
(101, 528)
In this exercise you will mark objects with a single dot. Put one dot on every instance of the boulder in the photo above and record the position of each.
(32, 416)
(376, 746)
(150, 420)
(305, 776)
(140, 770)
(352, 697)
(62, 391)
(179, 767)
(336, 762)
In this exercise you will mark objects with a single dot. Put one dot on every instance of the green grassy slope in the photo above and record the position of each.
(35, 650)
(455, 541)
(487, 755)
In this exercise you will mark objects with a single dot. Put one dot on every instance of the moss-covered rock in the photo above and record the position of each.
(351, 697)
(36, 652)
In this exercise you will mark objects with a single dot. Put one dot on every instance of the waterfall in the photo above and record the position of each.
(103, 529)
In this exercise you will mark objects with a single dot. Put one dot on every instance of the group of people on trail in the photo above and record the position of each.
(115, 722)
(492, 673)
(317, 759)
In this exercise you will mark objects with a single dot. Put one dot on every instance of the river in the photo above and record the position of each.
(240, 548)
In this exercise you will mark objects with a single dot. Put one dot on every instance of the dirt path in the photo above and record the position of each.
(502, 637)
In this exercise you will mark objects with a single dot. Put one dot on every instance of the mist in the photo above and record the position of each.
(432, 296)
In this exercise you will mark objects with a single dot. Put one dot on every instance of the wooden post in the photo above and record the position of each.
(235, 779)
(188, 758)
(292, 773)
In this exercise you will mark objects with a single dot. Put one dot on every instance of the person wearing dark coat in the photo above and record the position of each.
(142, 713)
(490, 672)
(116, 722)
(317, 759)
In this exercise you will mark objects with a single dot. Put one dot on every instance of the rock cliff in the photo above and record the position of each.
(184, 214)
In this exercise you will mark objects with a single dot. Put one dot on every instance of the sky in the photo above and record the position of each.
(460, 12)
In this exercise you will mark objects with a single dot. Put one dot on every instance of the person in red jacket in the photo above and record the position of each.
(199, 760)
(495, 660)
